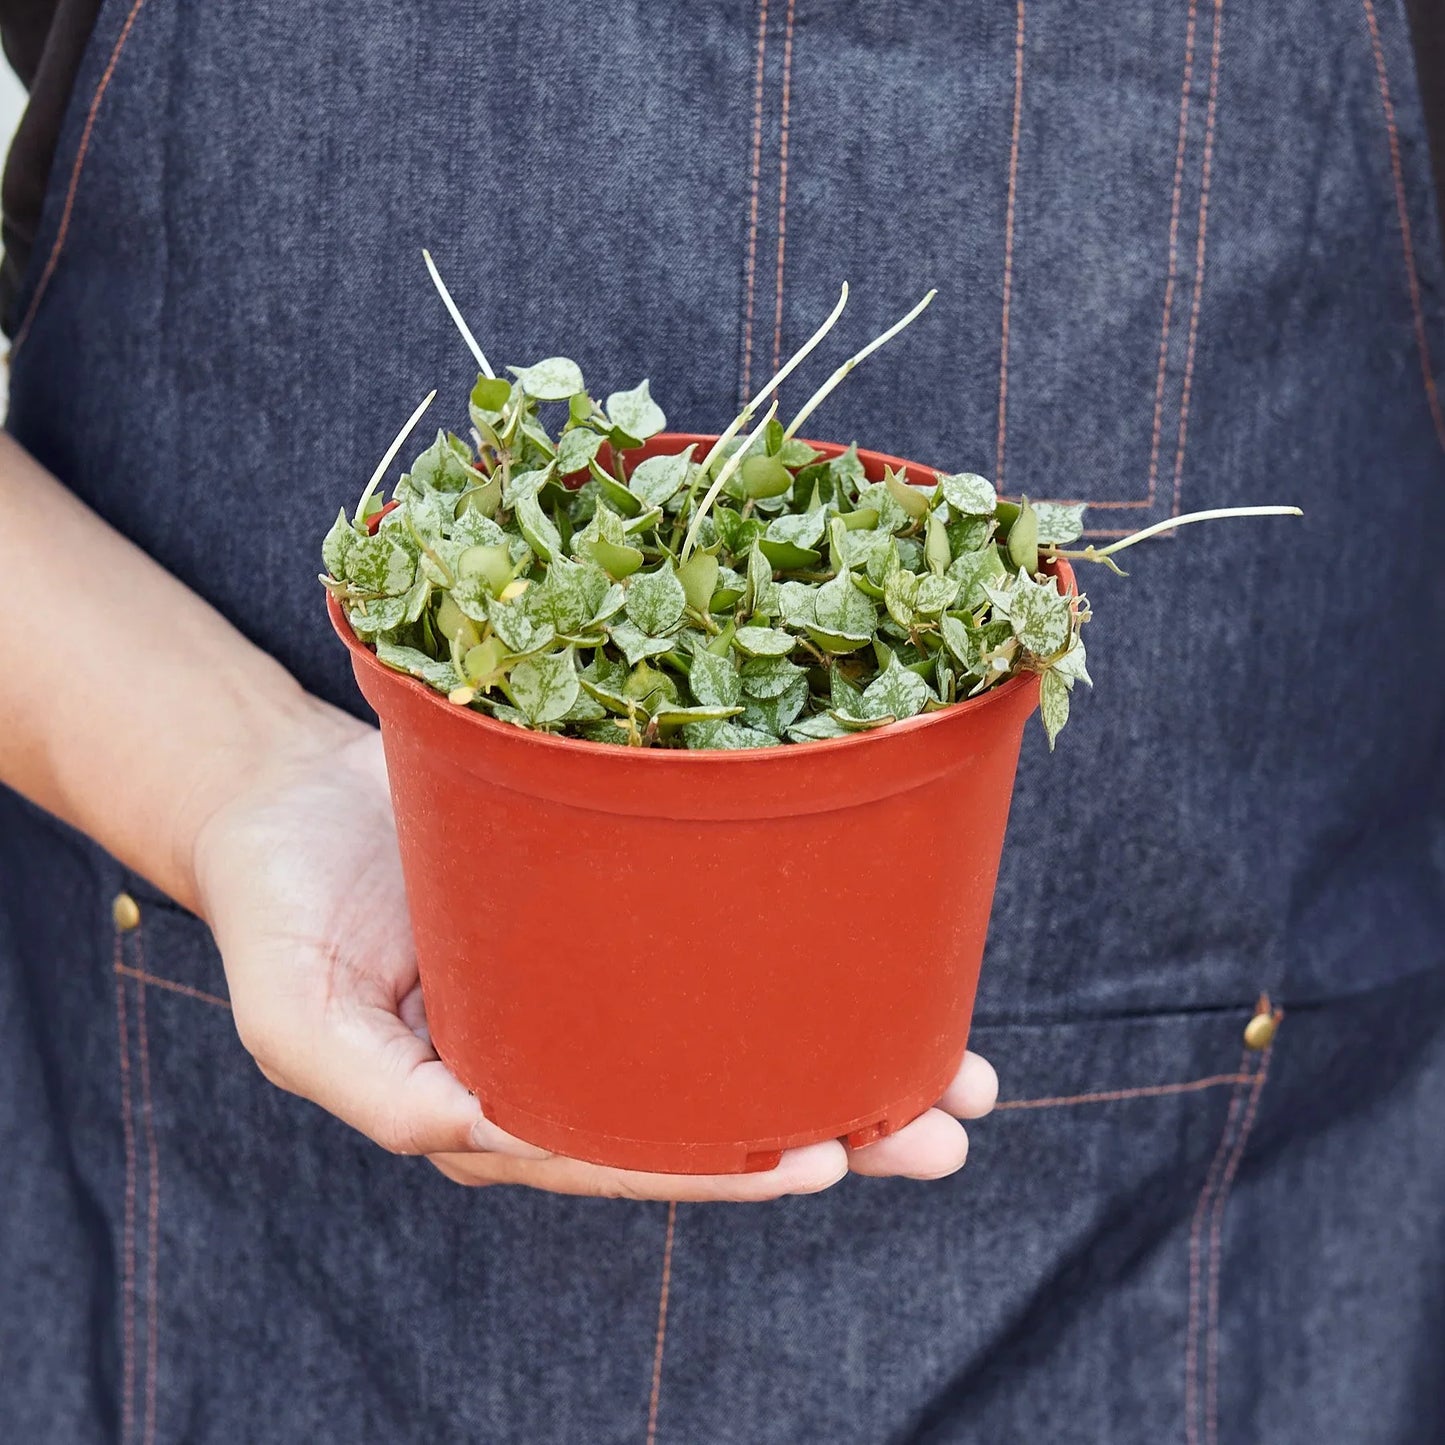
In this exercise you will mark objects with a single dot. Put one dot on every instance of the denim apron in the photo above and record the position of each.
(1188, 257)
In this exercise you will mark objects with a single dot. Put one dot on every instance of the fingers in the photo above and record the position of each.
(974, 1090)
(932, 1146)
(801, 1171)
(370, 1069)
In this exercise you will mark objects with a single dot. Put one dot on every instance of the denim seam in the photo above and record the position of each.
(750, 268)
(52, 260)
(156, 981)
(1196, 1262)
(1112, 1096)
(783, 185)
(1207, 171)
(1216, 1230)
(1402, 210)
(1186, 91)
(1008, 244)
(152, 1203)
(655, 1398)
(127, 1342)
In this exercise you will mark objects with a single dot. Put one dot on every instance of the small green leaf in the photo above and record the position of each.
(973, 571)
(785, 557)
(1023, 539)
(698, 576)
(764, 477)
(968, 494)
(491, 393)
(899, 591)
(1042, 618)
(895, 692)
(776, 714)
(544, 687)
(816, 729)
(575, 449)
(913, 500)
(515, 625)
(440, 675)
(672, 717)
(570, 595)
(800, 529)
(1053, 705)
(1072, 665)
(736, 533)
(725, 737)
(847, 466)
(555, 379)
(796, 604)
(658, 479)
(1059, 523)
(381, 565)
(614, 492)
(714, 680)
(655, 600)
(842, 694)
(635, 644)
(336, 549)
(618, 561)
(933, 594)
(936, 551)
(769, 677)
(493, 564)
(635, 412)
(763, 642)
(841, 610)
(537, 527)
(761, 597)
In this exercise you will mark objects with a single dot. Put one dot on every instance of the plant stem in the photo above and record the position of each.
(819, 396)
(455, 314)
(723, 477)
(1098, 554)
(391, 452)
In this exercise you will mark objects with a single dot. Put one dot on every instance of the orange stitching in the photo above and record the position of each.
(1008, 243)
(1209, 118)
(55, 249)
(783, 186)
(1114, 1095)
(1402, 210)
(1216, 1223)
(142, 977)
(661, 1323)
(1196, 1227)
(762, 44)
(127, 1416)
(152, 1206)
(1173, 276)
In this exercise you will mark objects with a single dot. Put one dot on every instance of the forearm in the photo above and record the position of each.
(129, 707)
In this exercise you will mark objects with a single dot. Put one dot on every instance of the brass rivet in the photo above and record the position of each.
(126, 912)
(1259, 1032)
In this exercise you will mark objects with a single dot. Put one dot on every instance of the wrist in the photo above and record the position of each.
(273, 738)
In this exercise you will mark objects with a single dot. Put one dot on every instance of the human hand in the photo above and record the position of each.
(299, 877)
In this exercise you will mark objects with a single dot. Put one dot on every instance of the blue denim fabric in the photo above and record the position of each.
(1175, 273)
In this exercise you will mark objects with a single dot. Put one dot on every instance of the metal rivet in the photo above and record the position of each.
(126, 912)
(1259, 1032)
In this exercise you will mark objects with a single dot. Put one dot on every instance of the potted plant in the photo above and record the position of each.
(701, 751)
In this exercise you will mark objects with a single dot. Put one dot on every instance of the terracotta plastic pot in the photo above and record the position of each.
(690, 961)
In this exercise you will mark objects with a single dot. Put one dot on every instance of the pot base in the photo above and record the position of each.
(673, 1157)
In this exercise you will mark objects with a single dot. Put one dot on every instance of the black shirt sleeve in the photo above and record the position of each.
(44, 41)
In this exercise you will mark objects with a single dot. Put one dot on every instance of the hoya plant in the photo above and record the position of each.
(752, 594)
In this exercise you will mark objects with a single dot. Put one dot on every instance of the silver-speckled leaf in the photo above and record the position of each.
(555, 379)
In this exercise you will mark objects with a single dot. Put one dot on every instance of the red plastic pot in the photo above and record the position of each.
(689, 961)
